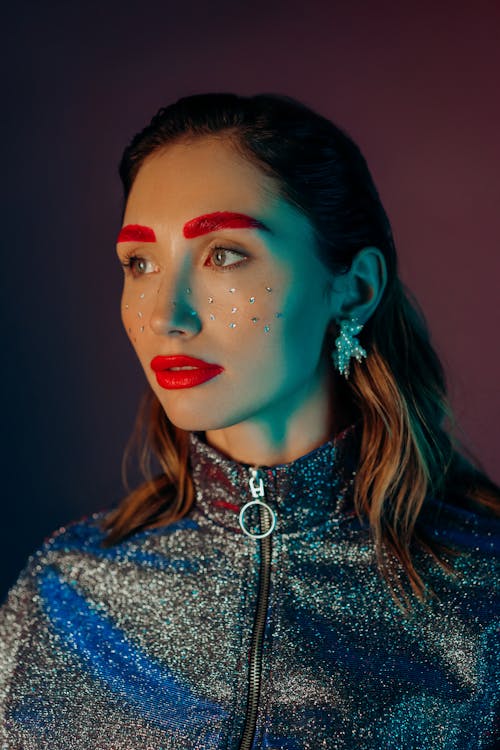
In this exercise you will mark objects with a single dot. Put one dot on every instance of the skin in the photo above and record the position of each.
(278, 396)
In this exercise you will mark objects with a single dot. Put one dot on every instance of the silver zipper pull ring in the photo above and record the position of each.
(257, 490)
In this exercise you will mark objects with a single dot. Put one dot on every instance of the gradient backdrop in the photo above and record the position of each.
(415, 83)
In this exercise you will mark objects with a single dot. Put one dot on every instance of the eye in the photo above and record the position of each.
(138, 266)
(220, 255)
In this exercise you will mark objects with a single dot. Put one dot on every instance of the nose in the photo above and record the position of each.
(174, 312)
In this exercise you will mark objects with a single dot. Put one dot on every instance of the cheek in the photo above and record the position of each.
(134, 314)
(291, 326)
(256, 311)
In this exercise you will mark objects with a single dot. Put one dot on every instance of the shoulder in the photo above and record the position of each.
(465, 537)
(75, 536)
(77, 550)
(462, 523)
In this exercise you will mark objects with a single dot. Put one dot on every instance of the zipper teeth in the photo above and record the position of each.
(255, 669)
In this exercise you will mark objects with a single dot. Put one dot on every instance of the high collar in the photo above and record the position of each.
(312, 490)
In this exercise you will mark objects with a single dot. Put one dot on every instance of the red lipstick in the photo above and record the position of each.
(173, 379)
(219, 220)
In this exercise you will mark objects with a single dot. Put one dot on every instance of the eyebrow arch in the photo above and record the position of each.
(218, 220)
(136, 233)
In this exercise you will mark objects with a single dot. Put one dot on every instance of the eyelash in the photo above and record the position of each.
(130, 259)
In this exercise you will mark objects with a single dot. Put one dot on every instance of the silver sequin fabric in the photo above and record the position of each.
(145, 645)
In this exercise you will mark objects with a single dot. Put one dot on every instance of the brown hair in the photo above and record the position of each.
(408, 450)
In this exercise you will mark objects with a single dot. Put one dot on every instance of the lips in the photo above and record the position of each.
(188, 378)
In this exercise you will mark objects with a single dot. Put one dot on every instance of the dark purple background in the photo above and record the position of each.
(415, 84)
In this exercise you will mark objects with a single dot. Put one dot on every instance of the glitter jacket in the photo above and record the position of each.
(198, 635)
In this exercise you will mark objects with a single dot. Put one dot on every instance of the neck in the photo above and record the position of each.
(270, 439)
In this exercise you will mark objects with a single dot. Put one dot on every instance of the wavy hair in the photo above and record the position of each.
(408, 448)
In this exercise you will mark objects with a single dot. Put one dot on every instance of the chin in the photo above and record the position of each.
(201, 420)
(194, 420)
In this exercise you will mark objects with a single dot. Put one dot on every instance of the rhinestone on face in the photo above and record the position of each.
(142, 329)
(254, 320)
(139, 314)
(234, 309)
(210, 300)
(268, 289)
(278, 315)
(211, 316)
(232, 290)
(267, 329)
(142, 295)
(252, 300)
(188, 290)
(232, 325)
(126, 307)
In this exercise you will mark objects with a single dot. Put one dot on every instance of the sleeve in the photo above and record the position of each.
(15, 616)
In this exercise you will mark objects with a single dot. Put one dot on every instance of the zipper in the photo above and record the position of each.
(267, 520)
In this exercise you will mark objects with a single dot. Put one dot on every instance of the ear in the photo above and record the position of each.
(359, 290)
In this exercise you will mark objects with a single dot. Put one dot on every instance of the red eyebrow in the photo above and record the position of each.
(219, 219)
(136, 233)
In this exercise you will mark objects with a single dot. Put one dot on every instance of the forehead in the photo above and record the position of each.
(200, 176)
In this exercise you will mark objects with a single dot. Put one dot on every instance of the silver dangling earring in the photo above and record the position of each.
(348, 346)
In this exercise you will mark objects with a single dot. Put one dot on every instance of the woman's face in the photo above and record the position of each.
(247, 294)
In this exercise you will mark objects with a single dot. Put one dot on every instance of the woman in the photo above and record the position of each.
(312, 566)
